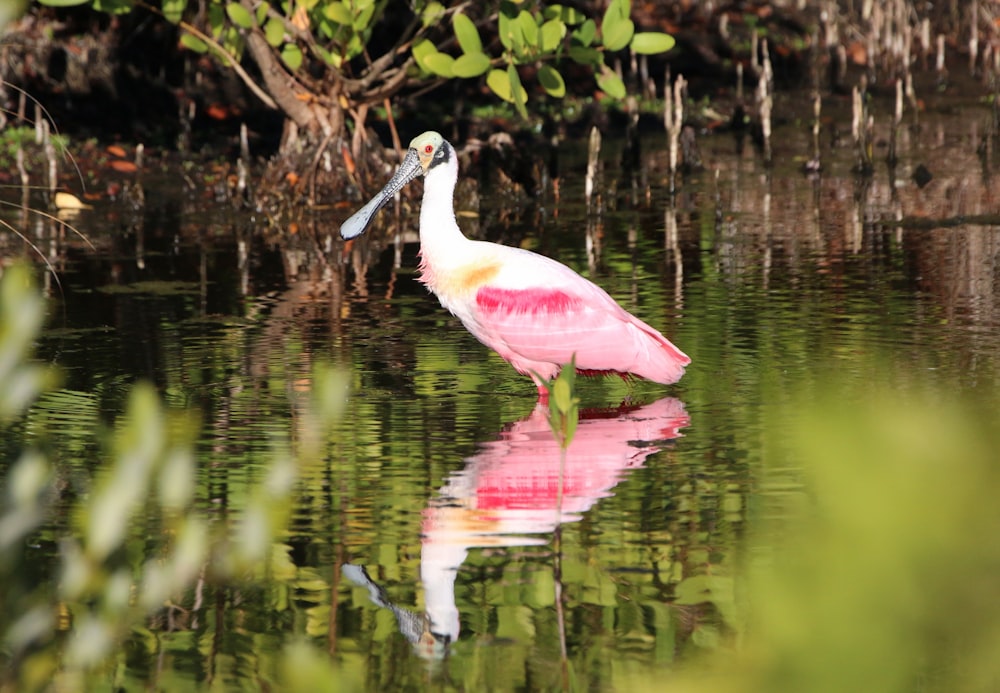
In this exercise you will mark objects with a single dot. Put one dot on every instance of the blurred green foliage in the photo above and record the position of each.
(135, 546)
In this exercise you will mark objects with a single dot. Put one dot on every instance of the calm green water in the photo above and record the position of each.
(441, 478)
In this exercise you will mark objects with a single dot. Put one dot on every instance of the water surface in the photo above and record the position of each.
(440, 486)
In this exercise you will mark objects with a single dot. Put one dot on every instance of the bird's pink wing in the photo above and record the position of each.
(566, 315)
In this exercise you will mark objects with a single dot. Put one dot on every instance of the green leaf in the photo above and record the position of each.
(617, 34)
(430, 60)
(364, 19)
(421, 50)
(193, 43)
(571, 15)
(467, 34)
(618, 10)
(520, 96)
(611, 84)
(173, 10)
(62, 3)
(511, 35)
(552, 81)
(274, 32)
(292, 55)
(440, 64)
(431, 14)
(216, 20)
(572, 419)
(529, 28)
(553, 32)
(561, 396)
(585, 34)
(113, 6)
(470, 65)
(585, 56)
(499, 83)
(337, 12)
(652, 42)
(354, 47)
(239, 15)
(329, 57)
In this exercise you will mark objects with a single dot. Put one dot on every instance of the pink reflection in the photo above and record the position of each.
(507, 494)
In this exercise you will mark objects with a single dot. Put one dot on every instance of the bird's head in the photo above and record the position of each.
(431, 150)
(426, 152)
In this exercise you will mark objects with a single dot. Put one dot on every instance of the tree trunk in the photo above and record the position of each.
(296, 103)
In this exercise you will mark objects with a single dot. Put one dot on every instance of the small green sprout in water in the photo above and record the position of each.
(564, 405)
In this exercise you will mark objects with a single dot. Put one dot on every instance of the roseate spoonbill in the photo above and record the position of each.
(535, 312)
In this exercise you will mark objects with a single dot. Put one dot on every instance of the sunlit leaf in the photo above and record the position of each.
(611, 84)
(364, 18)
(652, 42)
(561, 396)
(177, 480)
(27, 479)
(470, 65)
(520, 96)
(552, 81)
(440, 64)
(292, 55)
(467, 34)
(216, 19)
(571, 15)
(173, 10)
(529, 28)
(239, 15)
(113, 6)
(509, 29)
(354, 47)
(274, 32)
(338, 12)
(328, 56)
(430, 59)
(62, 3)
(617, 10)
(432, 14)
(190, 550)
(193, 43)
(553, 32)
(31, 627)
(617, 34)
(499, 83)
(89, 641)
(421, 50)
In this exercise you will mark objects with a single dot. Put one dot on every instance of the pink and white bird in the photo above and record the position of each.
(535, 312)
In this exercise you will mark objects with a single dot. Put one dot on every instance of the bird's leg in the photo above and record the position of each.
(543, 391)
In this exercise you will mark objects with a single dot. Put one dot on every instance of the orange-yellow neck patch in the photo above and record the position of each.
(470, 279)
(463, 280)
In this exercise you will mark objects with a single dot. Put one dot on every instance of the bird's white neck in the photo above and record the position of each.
(439, 232)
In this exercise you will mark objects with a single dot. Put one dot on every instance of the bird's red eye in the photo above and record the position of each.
(428, 149)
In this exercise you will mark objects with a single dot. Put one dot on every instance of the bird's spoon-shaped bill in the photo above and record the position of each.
(359, 221)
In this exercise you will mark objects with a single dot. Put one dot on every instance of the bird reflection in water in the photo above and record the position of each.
(508, 495)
